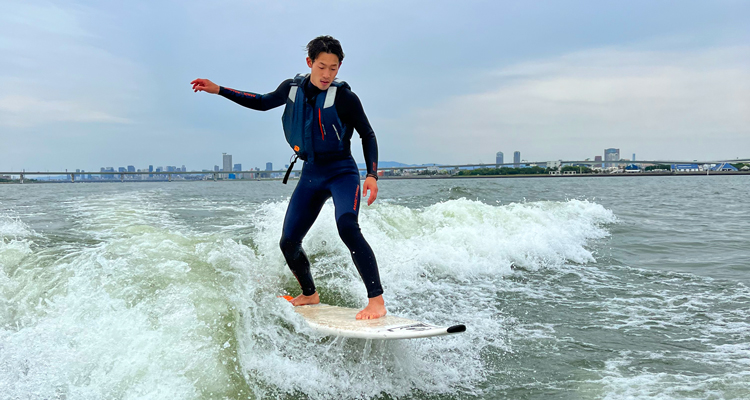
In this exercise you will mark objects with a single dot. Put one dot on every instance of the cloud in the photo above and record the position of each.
(25, 111)
(664, 104)
(56, 69)
(46, 17)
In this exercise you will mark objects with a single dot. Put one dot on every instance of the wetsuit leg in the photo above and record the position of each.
(304, 207)
(345, 190)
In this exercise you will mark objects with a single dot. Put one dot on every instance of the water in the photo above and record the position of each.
(620, 288)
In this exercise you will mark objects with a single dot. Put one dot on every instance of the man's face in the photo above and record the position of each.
(323, 70)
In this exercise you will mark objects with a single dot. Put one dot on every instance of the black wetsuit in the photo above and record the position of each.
(330, 175)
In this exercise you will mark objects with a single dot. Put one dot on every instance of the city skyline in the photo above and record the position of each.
(517, 161)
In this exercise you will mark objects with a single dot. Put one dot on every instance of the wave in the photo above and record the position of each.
(147, 305)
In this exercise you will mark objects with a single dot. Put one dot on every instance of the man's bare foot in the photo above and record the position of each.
(303, 300)
(375, 309)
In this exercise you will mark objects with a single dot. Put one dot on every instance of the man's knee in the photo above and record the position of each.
(348, 227)
(288, 246)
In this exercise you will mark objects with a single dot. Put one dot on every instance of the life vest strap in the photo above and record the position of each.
(289, 171)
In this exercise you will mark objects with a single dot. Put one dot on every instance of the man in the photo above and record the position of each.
(319, 119)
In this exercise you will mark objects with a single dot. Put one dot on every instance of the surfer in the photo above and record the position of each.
(319, 120)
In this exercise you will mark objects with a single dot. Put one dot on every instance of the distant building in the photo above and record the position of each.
(633, 156)
(632, 168)
(554, 164)
(724, 167)
(499, 158)
(598, 158)
(216, 168)
(130, 168)
(227, 161)
(611, 155)
(237, 167)
(686, 167)
(269, 166)
(183, 168)
(121, 169)
(517, 159)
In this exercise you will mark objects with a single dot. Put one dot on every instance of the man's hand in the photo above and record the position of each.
(204, 85)
(372, 185)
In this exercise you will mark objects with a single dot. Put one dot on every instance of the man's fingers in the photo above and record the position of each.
(373, 196)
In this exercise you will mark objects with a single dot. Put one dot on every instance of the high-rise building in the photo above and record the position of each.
(598, 158)
(131, 168)
(269, 166)
(517, 159)
(499, 158)
(633, 157)
(611, 155)
(216, 168)
(238, 167)
(227, 167)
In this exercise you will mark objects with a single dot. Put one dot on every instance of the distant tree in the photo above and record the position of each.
(580, 170)
(504, 171)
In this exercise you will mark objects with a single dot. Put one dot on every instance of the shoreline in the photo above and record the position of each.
(640, 174)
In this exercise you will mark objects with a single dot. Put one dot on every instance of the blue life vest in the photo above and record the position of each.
(299, 117)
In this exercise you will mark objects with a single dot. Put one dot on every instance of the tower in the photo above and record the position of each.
(611, 155)
(227, 161)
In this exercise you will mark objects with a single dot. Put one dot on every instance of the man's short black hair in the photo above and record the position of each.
(325, 44)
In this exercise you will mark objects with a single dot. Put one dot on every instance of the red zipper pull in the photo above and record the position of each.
(320, 122)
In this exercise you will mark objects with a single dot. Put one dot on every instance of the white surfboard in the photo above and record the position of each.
(340, 321)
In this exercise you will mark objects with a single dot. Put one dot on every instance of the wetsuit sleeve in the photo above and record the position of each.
(260, 102)
(351, 112)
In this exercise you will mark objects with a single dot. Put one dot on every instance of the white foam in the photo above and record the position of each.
(139, 315)
(623, 380)
(443, 264)
(13, 228)
(151, 308)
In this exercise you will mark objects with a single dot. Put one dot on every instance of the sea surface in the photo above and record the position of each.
(571, 288)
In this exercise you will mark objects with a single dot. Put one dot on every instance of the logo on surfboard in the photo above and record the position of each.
(413, 327)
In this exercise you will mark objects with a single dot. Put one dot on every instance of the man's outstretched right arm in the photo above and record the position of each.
(260, 102)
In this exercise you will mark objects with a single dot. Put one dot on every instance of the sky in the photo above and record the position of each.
(91, 84)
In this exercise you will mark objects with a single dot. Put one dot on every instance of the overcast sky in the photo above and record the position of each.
(106, 84)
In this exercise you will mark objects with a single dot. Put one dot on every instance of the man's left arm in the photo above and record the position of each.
(356, 115)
